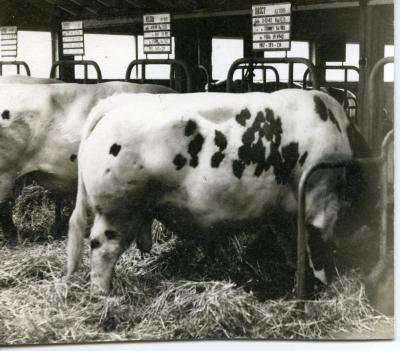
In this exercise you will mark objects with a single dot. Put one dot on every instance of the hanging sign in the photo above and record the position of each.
(9, 41)
(72, 38)
(157, 33)
(271, 26)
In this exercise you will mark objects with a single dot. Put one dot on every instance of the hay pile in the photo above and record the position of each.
(149, 302)
(237, 288)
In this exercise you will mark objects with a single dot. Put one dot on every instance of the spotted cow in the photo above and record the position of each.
(40, 130)
(207, 164)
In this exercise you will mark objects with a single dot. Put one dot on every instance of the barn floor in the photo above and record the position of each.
(242, 289)
(172, 293)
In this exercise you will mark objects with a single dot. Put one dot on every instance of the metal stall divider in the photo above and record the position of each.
(373, 113)
(172, 62)
(250, 63)
(84, 63)
(381, 160)
(15, 63)
(346, 69)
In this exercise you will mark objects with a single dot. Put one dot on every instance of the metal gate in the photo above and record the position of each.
(264, 64)
(382, 160)
(84, 63)
(18, 64)
(351, 109)
(174, 63)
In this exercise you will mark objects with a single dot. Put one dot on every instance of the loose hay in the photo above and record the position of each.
(164, 295)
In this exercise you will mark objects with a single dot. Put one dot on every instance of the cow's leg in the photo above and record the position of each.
(6, 204)
(109, 238)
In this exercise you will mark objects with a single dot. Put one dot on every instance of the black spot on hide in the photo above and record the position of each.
(190, 127)
(221, 142)
(243, 116)
(266, 129)
(72, 158)
(216, 159)
(179, 161)
(5, 114)
(115, 149)
(320, 108)
(194, 149)
(333, 119)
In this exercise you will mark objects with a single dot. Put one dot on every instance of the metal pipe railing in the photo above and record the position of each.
(301, 214)
(374, 132)
(84, 63)
(172, 62)
(264, 60)
(15, 63)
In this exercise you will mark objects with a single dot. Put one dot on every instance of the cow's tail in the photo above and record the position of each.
(77, 228)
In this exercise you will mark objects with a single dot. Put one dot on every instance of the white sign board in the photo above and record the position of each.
(9, 41)
(271, 26)
(157, 33)
(72, 38)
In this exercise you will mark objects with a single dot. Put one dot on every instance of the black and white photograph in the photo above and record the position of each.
(196, 170)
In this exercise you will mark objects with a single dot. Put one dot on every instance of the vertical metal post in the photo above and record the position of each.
(291, 65)
(264, 73)
(301, 239)
(143, 77)
(85, 76)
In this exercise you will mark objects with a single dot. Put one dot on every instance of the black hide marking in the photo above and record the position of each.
(108, 170)
(220, 140)
(179, 162)
(333, 119)
(5, 114)
(238, 168)
(111, 234)
(190, 127)
(243, 116)
(290, 154)
(94, 244)
(320, 108)
(216, 159)
(194, 149)
(268, 128)
(222, 143)
(303, 158)
(115, 149)
(72, 158)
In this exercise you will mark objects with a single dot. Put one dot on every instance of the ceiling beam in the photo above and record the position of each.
(84, 6)
(121, 21)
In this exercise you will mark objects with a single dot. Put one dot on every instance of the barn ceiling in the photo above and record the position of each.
(49, 13)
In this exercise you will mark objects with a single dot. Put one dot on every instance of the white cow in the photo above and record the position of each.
(40, 131)
(206, 164)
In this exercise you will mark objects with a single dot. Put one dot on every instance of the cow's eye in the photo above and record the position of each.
(110, 234)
